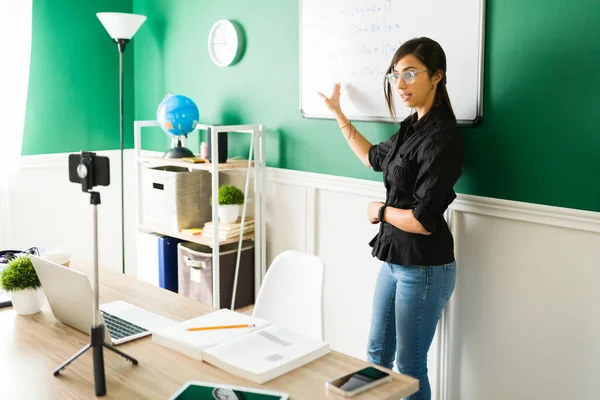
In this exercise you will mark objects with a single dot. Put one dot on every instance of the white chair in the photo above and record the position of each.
(291, 294)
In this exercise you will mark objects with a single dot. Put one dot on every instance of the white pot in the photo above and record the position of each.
(229, 213)
(28, 301)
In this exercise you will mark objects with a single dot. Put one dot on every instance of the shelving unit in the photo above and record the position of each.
(255, 164)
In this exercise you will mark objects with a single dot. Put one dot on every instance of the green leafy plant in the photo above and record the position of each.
(229, 194)
(19, 274)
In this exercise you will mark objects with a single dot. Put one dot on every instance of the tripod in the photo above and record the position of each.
(97, 329)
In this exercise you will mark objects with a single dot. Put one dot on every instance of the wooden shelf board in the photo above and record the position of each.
(192, 238)
(230, 164)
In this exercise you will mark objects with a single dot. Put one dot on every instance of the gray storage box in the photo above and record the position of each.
(174, 198)
(195, 273)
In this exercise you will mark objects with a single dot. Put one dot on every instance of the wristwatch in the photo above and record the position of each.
(380, 213)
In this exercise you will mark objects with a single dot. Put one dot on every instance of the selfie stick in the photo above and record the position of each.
(85, 173)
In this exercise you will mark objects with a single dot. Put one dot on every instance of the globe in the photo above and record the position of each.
(177, 115)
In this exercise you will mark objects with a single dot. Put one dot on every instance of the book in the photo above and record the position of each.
(209, 230)
(259, 354)
(228, 234)
(178, 338)
(234, 225)
(265, 354)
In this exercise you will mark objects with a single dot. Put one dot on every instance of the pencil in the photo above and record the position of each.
(208, 328)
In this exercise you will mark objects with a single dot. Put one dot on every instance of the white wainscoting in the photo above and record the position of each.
(523, 322)
(47, 210)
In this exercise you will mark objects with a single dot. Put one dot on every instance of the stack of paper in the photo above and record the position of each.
(229, 231)
(258, 354)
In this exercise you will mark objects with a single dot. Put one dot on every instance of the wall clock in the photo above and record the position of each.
(225, 43)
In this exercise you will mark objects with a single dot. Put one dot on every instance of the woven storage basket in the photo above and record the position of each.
(175, 198)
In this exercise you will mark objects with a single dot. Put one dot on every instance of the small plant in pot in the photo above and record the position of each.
(21, 281)
(230, 199)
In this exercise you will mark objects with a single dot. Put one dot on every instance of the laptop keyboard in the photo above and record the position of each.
(119, 328)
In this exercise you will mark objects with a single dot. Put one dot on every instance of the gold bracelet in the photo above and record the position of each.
(342, 127)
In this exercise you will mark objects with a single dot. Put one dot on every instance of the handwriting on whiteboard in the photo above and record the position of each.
(374, 30)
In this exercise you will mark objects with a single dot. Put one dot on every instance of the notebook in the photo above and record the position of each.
(258, 354)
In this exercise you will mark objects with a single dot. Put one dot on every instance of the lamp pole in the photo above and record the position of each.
(121, 27)
(121, 47)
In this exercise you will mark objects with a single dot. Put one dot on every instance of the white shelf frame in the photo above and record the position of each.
(257, 143)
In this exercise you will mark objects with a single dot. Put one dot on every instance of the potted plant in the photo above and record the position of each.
(21, 281)
(230, 199)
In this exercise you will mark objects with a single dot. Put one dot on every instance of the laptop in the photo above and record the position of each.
(70, 296)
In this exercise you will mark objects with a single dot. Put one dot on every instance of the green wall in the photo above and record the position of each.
(73, 98)
(538, 142)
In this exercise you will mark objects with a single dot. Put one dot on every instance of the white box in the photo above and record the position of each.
(148, 264)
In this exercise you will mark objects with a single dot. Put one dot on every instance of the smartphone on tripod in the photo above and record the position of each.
(89, 169)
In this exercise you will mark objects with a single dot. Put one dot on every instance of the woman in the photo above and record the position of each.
(421, 163)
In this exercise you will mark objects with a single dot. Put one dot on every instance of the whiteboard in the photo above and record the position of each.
(353, 41)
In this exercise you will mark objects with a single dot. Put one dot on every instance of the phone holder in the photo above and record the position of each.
(90, 170)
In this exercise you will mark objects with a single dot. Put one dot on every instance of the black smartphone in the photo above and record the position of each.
(357, 382)
(89, 169)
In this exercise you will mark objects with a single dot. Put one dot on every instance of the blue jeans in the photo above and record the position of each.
(407, 306)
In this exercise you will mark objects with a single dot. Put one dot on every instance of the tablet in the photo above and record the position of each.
(195, 390)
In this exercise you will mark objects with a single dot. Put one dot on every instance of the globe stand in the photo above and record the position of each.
(178, 150)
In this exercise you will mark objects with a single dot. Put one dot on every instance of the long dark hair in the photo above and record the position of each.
(431, 54)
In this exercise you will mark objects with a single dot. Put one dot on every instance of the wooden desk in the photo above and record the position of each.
(31, 347)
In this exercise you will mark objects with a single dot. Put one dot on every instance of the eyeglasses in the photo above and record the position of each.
(407, 76)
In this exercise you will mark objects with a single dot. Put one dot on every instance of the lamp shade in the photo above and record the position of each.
(121, 25)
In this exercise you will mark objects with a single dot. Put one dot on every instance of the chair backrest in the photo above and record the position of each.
(291, 294)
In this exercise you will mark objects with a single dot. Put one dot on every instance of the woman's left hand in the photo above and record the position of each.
(373, 211)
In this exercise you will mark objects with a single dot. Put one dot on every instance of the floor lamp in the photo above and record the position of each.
(121, 27)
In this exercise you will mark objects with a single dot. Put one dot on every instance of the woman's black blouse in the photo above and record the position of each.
(420, 163)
